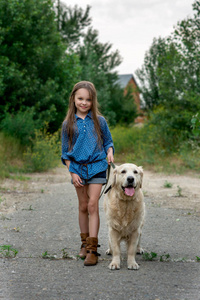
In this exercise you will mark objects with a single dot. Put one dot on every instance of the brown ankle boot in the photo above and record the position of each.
(83, 251)
(92, 255)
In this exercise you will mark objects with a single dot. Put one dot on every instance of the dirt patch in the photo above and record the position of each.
(172, 191)
(14, 193)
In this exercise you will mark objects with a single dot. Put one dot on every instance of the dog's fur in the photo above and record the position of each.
(125, 214)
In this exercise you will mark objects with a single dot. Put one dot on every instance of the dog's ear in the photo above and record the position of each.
(141, 175)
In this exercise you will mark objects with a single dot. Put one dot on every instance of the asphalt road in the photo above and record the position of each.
(49, 223)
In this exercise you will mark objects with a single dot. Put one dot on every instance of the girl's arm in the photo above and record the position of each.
(65, 146)
(110, 155)
(107, 138)
(75, 178)
(67, 162)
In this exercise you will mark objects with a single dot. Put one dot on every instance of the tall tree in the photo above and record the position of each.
(148, 75)
(98, 61)
(172, 96)
(71, 22)
(35, 70)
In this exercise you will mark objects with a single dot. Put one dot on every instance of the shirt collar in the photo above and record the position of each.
(88, 115)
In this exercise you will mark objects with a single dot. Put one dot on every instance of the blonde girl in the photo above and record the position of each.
(86, 142)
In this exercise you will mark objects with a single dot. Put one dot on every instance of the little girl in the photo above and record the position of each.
(86, 142)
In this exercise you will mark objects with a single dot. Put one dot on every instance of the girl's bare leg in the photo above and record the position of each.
(94, 191)
(83, 208)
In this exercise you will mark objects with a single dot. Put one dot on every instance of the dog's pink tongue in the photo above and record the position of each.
(129, 191)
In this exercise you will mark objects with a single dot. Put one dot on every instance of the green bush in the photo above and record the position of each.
(143, 147)
(190, 154)
(20, 125)
(11, 158)
(131, 144)
(195, 121)
(169, 130)
(44, 153)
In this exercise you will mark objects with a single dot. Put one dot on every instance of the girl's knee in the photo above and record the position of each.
(83, 207)
(93, 207)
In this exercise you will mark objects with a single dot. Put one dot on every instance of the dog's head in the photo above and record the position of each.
(128, 179)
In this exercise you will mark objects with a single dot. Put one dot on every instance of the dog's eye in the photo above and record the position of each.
(135, 172)
(123, 172)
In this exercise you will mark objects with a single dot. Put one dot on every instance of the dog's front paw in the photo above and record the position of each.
(133, 266)
(114, 266)
(140, 250)
(109, 252)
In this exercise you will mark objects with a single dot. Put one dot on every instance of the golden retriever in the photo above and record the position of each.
(125, 209)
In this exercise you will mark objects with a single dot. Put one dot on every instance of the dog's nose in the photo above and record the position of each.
(130, 179)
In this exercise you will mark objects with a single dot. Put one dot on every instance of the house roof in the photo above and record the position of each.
(124, 79)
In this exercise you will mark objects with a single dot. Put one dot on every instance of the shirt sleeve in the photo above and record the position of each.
(107, 138)
(65, 143)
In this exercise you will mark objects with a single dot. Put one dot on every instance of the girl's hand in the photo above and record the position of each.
(76, 180)
(110, 155)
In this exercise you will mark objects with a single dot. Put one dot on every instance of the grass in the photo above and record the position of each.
(44, 153)
(168, 185)
(132, 144)
(15, 159)
(1, 199)
(7, 251)
(149, 256)
(165, 257)
(16, 229)
(46, 255)
(19, 177)
(179, 191)
(11, 156)
(140, 146)
(65, 255)
(29, 209)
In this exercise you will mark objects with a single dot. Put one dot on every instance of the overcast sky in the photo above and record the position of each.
(131, 25)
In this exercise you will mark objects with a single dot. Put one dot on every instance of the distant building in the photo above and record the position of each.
(126, 80)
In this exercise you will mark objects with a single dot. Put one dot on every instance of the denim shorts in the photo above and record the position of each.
(99, 178)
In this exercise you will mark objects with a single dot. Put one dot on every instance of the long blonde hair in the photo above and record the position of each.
(70, 117)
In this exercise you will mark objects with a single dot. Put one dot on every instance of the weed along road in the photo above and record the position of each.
(39, 219)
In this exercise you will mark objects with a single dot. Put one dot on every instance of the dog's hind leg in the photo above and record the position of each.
(109, 251)
(139, 248)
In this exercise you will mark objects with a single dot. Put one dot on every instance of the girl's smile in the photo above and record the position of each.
(83, 102)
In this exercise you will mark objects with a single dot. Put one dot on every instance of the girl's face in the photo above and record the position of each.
(83, 102)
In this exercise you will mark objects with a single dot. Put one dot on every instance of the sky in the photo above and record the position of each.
(131, 25)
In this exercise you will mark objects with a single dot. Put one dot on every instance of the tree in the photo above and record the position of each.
(71, 22)
(97, 63)
(97, 60)
(187, 37)
(35, 69)
(171, 84)
(123, 105)
(148, 75)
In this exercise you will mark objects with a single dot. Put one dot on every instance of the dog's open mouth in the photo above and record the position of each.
(129, 190)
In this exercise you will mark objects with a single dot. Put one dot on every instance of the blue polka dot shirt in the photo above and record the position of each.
(86, 149)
